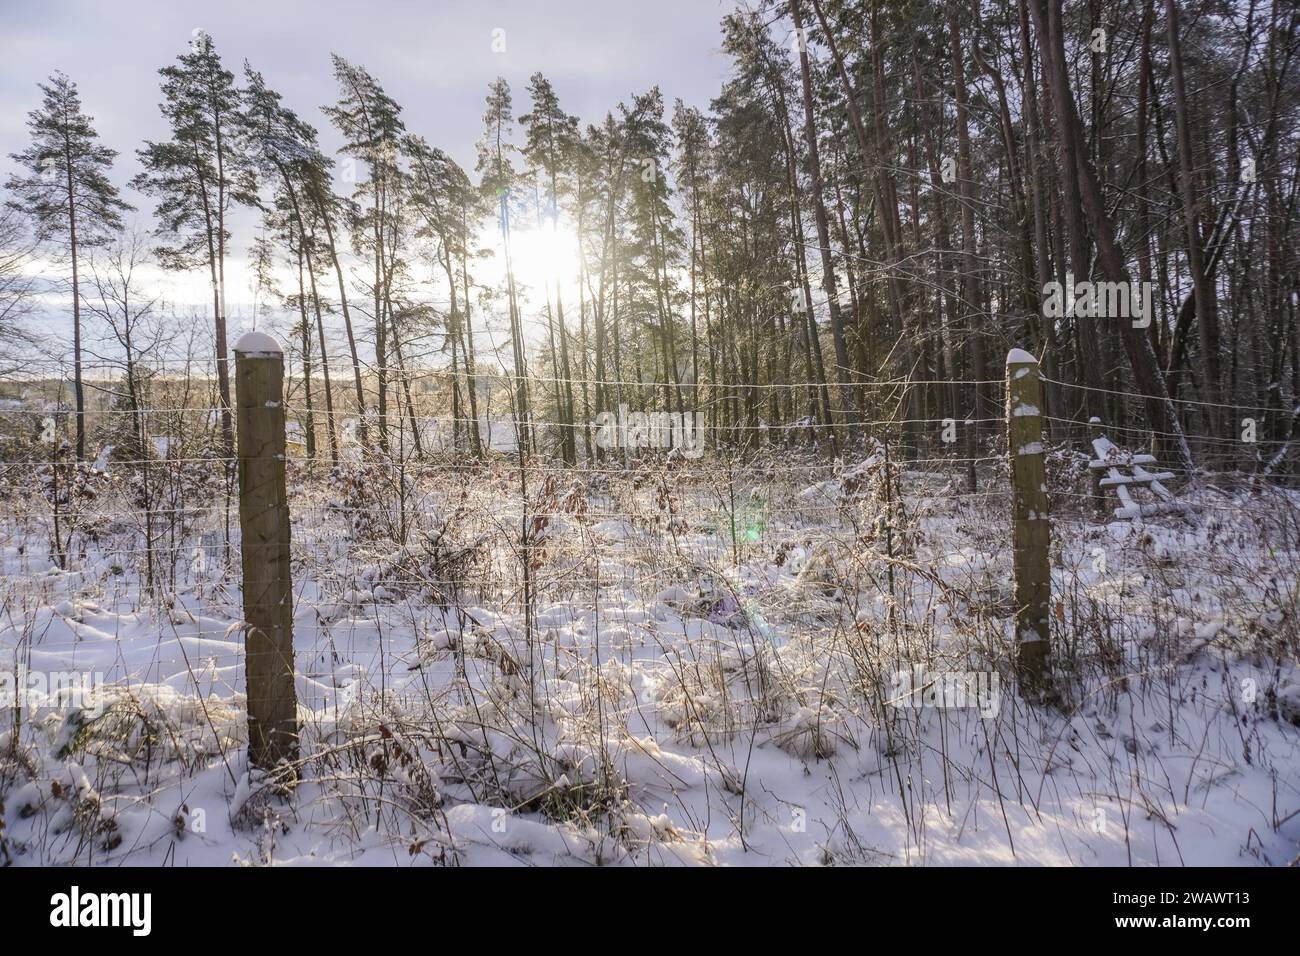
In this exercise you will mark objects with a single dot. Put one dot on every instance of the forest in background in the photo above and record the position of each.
(848, 238)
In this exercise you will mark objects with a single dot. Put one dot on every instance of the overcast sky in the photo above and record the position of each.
(435, 57)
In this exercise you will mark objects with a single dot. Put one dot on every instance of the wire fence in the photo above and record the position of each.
(593, 395)
(458, 538)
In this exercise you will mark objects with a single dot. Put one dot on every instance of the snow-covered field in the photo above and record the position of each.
(714, 668)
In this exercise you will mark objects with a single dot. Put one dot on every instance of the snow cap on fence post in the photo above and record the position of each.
(1031, 532)
(257, 345)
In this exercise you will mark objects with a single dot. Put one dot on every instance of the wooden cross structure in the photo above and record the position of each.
(1125, 471)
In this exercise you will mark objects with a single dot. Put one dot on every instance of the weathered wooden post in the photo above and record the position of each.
(1031, 535)
(264, 527)
(1098, 491)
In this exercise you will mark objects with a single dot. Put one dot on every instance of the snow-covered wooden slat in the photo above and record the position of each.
(1154, 481)
(1139, 477)
(1135, 460)
(1126, 500)
(1135, 510)
(1105, 448)
(1109, 454)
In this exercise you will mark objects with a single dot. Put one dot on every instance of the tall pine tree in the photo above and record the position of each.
(68, 194)
(551, 138)
(197, 176)
(498, 180)
(371, 124)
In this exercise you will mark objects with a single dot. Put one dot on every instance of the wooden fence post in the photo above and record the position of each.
(1031, 535)
(1098, 492)
(264, 547)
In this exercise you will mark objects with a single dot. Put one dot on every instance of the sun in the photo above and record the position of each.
(541, 257)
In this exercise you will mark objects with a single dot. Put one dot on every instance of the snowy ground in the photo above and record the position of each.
(710, 676)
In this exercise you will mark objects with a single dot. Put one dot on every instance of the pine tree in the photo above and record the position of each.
(692, 135)
(68, 194)
(820, 218)
(197, 176)
(549, 146)
(371, 124)
(440, 194)
(657, 241)
(498, 180)
(287, 154)
(609, 167)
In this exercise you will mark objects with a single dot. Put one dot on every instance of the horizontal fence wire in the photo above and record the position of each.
(388, 541)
